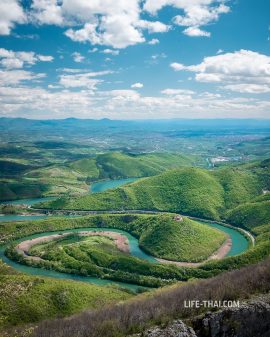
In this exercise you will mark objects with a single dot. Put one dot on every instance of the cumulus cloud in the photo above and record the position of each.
(196, 13)
(153, 41)
(88, 103)
(153, 26)
(241, 71)
(77, 57)
(15, 77)
(46, 12)
(177, 66)
(196, 31)
(11, 13)
(11, 59)
(110, 51)
(247, 88)
(84, 80)
(113, 31)
(112, 23)
(137, 85)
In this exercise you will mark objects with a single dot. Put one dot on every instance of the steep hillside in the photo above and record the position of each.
(239, 185)
(186, 240)
(74, 177)
(21, 190)
(191, 191)
(9, 168)
(250, 215)
(163, 306)
(115, 165)
(28, 299)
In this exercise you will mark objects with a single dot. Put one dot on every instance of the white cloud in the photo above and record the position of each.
(196, 32)
(110, 51)
(153, 26)
(70, 70)
(196, 13)
(45, 58)
(77, 57)
(124, 93)
(112, 23)
(93, 50)
(47, 12)
(177, 92)
(177, 66)
(153, 41)
(126, 104)
(243, 71)
(200, 14)
(85, 80)
(11, 59)
(137, 85)
(247, 88)
(14, 77)
(11, 13)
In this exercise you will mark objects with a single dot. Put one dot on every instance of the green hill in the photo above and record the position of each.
(192, 191)
(114, 165)
(181, 241)
(250, 215)
(161, 235)
(28, 299)
(239, 185)
(73, 178)
(10, 168)
(20, 190)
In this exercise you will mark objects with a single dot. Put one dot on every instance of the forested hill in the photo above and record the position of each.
(192, 191)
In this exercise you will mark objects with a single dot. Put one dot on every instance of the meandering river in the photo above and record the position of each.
(239, 241)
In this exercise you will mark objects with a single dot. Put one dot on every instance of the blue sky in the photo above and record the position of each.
(135, 59)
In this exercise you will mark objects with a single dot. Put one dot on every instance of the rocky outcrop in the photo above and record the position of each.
(248, 320)
(175, 329)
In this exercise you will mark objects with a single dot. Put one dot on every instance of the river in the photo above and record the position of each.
(96, 187)
(239, 241)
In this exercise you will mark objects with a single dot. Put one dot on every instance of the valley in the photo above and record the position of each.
(97, 225)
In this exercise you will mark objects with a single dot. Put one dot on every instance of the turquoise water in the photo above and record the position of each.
(94, 188)
(4, 218)
(109, 184)
(28, 202)
(239, 242)
(134, 250)
(239, 245)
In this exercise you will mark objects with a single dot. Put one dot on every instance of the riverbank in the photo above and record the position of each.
(24, 247)
(217, 255)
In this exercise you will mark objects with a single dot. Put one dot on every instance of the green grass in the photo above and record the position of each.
(182, 241)
(86, 167)
(74, 177)
(119, 165)
(27, 299)
(250, 215)
(160, 235)
(192, 191)
(21, 190)
(12, 168)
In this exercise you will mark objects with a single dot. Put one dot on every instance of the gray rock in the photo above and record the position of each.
(249, 320)
(175, 329)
